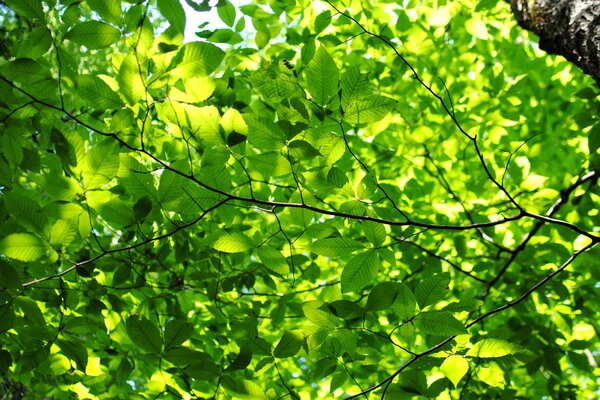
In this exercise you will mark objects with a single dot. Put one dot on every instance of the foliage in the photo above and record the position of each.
(333, 200)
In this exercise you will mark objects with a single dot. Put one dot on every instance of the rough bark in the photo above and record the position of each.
(570, 28)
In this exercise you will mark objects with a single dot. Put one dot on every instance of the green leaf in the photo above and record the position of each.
(9, 277)
(27, 8)
(63, 232)
(226, 12)
(7, 317)
(242, 360)
(264, 134)
(368, 110)
(432, 289)
(131, 84)
(36, 44)
(235, 242)
(144, 334)
(182, 356)
(107, 9)
(93, 34)
(454, 368)
(197, 59)
(322, 21)
(75, 351)
(355, 85)
(382, 296)
(23, 247)
(439, 323)
(243, 389)
(335, 247)
(273, 259)
(31, 311)
(492, 348)
(289, 344)
(95, 92)
(322, 77)
(142, 208)
(173, 12)
(177, 331)
(594, 139)
(359, 271)
(101, 164)
(317, 316)
(374, 232)
(203, 368)
(25, 70)
(492, 374)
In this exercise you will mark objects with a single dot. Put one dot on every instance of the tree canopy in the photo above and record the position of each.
(336, 199)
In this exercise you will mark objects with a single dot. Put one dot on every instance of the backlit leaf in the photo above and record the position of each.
(491, 348)
(234, 242)
(359, 271)
(23, 247)
(454, 367)
(173, 12)
(198, 59)
(93, 34)
(322, 77)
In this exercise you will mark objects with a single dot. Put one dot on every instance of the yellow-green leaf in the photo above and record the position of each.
(491, 348)
(198, 59)
(235, 242)
(492, 374)
(23, 247)
(130, 82)
(454, 368)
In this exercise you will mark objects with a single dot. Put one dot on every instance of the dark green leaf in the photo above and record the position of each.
(439, 323)
(382, 296)
(144, 334)
(177, 331)
(289, 345)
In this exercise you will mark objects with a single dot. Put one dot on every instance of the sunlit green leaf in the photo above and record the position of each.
(234, 242)
(491, 348)
(97, 93)
(492, 375)
(23, 247)
(454, 367)
(335, 247)
(198, 59)
(359, 271)
(368, 109)
(322, 77)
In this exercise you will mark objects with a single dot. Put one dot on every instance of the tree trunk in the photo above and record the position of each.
(570, 28)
